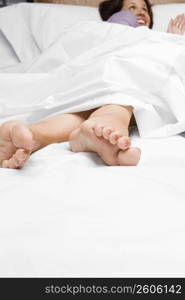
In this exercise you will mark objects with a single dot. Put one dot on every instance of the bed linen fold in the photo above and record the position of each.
(96, 63)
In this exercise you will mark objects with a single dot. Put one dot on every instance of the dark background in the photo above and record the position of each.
(9, 2)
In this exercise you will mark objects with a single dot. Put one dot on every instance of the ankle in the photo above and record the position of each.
(40, 141)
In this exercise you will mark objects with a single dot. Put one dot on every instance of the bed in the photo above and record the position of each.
(66, 214)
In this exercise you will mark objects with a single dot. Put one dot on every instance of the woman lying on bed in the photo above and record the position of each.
(103, 130)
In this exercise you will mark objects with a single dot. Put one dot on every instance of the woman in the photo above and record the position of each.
(141, 9)
(144, 16)
(103, 130)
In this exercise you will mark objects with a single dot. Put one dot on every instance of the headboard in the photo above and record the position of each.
(95, 3)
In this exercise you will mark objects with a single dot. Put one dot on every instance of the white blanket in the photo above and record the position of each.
(92, 64)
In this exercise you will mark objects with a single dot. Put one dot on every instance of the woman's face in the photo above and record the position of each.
(139, 9)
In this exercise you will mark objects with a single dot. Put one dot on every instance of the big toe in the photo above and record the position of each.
(129, 157)
(123, 142)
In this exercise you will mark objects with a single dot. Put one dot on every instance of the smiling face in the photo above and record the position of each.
(139, 9)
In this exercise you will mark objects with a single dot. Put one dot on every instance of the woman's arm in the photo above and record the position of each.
(177, 26)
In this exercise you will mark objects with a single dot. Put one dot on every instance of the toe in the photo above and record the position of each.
(87, 127)
(8, 164)
(13, 162)
(129, 157)
(22, 154)
(114, 136)
(22, 163)
(123, 142)
(17, 160)
(5, 164)
(98, 129)
(106, 132)
(20, 158)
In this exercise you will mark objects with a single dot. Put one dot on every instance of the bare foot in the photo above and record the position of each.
(111, 145)
(16, 144)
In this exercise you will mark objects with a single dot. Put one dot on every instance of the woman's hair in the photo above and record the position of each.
(109, 7)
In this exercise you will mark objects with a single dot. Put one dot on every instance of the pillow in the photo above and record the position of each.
(8, 56)
(124, 17)
(48, 21)
(163, 14)
(18, 36)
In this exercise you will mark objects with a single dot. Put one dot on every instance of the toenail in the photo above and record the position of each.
(24, 154)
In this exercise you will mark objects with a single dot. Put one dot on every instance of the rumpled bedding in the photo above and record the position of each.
(90, 64)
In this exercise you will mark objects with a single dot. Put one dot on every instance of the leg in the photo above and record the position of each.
(57, 129)
(106, 132)
(18, 141)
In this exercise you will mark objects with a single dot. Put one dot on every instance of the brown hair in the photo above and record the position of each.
(109, 7)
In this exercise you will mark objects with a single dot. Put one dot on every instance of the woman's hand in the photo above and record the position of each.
(177, 26)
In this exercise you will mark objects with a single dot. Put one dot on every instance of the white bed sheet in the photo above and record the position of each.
(68, 215)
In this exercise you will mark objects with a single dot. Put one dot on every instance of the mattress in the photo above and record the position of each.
(66, 214)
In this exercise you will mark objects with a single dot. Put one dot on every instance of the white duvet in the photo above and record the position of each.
(66, 214)
(91, 64)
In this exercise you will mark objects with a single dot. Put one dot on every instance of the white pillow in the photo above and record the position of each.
(163, 14)
(8, 56)
(48, 21)
(16, 31)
